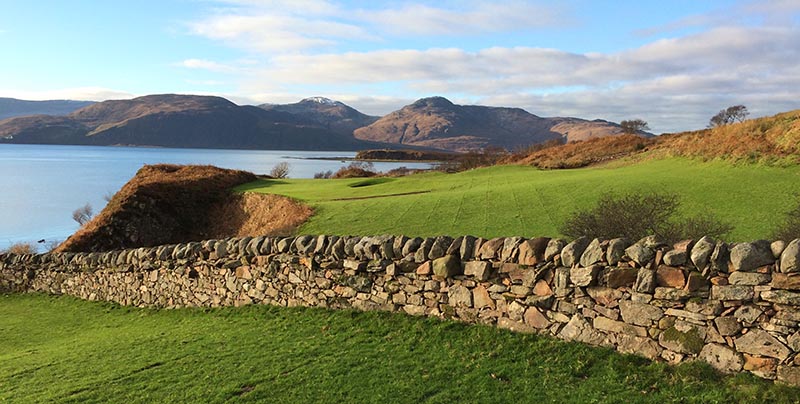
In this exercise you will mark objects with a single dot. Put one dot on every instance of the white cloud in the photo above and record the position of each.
(208, 65)
(745, 53)
(77, 93)
(476, 18)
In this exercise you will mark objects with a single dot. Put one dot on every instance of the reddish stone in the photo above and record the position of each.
(670, 277)
(425, 268)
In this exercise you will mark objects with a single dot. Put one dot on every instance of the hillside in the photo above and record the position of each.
(773, 139)
(437, 122)
(167, 204)
(177, 121)
(326, 113)
(11, 107)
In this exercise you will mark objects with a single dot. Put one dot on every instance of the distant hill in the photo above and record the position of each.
(11, 107)
(329, 114)
(437, 122)
(178, 121)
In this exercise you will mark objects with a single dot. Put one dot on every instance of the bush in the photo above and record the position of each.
(323, 175)
(280, 170)
(356, 169)
(790, 228)
(20, 248)
(83, 214)
(635, 216)
(489, 156)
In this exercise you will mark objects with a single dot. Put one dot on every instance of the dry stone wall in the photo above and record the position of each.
(734, 306)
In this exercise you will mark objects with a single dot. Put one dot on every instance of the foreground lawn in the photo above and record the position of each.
(524, 201)
(59, 349)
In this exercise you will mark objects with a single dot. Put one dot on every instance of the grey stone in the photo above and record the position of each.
(554, 248)
(531, 252)
(439, 247)
(790, 258)
(424, 249)
(490, 248)
(338, 249)
(748, 257)
(242, 245)
(447, 266)
(640, 254)
(719, 259)
(671, 294)
(619, 277)
(701, 252)
(722, 358)
(220, 249)
(455, 247)
(481, 270)
(777, 248)
(459, 296)
(397, 246)
(467, 249)
(578, 329)
(675, 258)
(682, 338)
(748, 278)
(305, 244)
(639, 313)
(645, 347)
(743, 293)
(789, 375)
(781, 297)
(748, 314)
(593, 254)
(411, 246)
(581, 276)
(759, 342)
(561, 281)
(645, 281)
(616, 250)
(510, 249)
(727, 326)
(572, 252)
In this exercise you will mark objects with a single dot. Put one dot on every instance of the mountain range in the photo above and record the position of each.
(315, 123)
(10, 107)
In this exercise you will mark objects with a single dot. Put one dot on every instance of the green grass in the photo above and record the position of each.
(515, 200)
(60, 349)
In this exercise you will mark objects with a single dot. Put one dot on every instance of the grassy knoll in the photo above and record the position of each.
(59, 349)
(517, 200)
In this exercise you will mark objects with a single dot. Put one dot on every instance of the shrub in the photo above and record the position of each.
(83, 214)
(280, 170)
(356, 169)
(635, 216)
(21, 248)
(323, 175)
(790, 228)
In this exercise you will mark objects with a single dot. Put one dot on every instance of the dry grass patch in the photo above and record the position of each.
(257, 215)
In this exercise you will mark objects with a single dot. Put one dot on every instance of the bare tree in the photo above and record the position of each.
(281, 170)
(634, 125)
(736, 113)
(83, 214)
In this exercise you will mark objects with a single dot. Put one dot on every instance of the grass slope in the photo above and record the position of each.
(59, 349)
(518, 200)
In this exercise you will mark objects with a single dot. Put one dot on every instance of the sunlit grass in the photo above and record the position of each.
(60, 349)
(516, 200)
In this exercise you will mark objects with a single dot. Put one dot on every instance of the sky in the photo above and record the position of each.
(672, 63)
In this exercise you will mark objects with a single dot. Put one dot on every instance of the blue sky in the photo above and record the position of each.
(672, 63)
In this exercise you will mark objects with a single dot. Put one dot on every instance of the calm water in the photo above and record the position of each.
(40, 186)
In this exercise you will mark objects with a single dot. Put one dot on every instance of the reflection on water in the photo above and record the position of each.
(40, 185)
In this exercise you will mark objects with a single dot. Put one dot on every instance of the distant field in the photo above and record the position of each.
(60, 349)
(517, 200)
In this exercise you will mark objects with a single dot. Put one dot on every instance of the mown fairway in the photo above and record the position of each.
(59, 349)
(515, 200)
